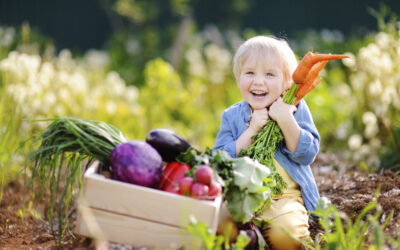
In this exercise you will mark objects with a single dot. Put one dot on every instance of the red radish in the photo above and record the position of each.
(185, 185)
(215, 189)
(204, 174)
(199, 190)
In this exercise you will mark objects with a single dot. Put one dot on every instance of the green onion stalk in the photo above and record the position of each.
(67, 147)
(265, 141)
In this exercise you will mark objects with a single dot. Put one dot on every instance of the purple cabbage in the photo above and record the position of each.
(136, 162)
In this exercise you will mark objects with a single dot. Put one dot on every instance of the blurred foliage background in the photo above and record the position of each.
(141, 65)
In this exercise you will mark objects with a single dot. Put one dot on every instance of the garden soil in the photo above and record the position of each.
(349, 188)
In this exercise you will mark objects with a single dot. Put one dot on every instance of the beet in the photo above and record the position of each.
(136, 162)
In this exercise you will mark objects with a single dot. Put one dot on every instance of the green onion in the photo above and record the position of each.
(67, 147)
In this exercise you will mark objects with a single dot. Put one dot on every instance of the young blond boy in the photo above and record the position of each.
(263, 67)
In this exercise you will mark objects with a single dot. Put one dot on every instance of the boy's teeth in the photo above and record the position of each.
(258, 92)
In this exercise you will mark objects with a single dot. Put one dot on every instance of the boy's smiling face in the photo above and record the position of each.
(261, 80)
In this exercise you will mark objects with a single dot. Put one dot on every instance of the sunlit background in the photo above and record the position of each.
(141, 65)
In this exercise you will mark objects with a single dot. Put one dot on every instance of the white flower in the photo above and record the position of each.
(78, 83)
(65, 61)
(355, 141)
(382, 39)
(64, 94)
(343, 90)
(196, 63)
(131, 93)
(49, 99)
(369, 118)
(375, 88)
(111, 107)
(96, 59)
(358, 80)
(349, 62)
(371, 130)
(386, 63)
(365, 150)
(342, 130)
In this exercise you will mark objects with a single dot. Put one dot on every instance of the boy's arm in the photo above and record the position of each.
(225, 139)
(231, 144)
(258, 121)
(301, 136)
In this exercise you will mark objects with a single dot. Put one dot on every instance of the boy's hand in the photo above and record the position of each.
(258, 119)
(280, 111)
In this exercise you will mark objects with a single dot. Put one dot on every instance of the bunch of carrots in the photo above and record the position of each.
(308, 70)
(306, 79)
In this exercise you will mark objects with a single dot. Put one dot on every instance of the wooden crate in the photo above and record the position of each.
(139, 216)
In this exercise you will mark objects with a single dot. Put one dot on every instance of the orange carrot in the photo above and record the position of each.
(306, 90)
(311, 76)
(308, 62)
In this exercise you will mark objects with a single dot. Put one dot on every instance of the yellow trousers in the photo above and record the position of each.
(287, 216)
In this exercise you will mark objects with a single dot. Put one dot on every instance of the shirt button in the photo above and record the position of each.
(247, 124)
(249, 116)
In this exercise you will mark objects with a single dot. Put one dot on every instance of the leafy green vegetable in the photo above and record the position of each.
(247, 183)
(250, 189)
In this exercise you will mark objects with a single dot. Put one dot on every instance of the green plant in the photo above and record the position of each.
(343, 232)
(204, 239)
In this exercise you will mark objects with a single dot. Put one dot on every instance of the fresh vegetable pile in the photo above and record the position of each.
(163, 161)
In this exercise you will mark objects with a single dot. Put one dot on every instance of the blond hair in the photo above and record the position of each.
(264, 46)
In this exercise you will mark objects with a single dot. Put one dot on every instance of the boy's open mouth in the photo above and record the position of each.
(258, 93)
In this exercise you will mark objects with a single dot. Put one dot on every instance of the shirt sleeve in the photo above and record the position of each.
(308, 146)
(225, 139)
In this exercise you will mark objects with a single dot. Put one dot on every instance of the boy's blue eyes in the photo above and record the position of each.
(252, 73)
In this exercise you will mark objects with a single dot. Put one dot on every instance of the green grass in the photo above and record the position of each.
(11, 154)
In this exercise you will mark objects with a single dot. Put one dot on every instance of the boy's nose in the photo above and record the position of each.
(258, 79)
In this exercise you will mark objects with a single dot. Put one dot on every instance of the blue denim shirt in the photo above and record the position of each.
(297, 164)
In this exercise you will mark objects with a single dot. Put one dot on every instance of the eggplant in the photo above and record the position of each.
(168, 144)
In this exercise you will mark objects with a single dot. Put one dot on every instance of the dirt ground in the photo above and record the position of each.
(350, 189)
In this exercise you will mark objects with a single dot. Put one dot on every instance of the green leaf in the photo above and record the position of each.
(201, 232)
(242, 205)
(241, 241)
(250, 175)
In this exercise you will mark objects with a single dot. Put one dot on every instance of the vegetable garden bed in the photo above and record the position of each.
(137, 215)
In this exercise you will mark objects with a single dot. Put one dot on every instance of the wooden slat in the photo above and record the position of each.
(141, 202)
(127, 230)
